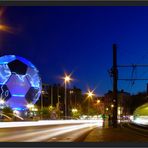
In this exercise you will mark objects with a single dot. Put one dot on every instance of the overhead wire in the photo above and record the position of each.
(133, 76)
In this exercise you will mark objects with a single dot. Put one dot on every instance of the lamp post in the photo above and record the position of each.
(98, 104)
(42, 104)
(67, 79)
(70, 102)
(90, 95)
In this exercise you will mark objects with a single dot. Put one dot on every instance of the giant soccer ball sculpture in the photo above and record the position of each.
(20, 83)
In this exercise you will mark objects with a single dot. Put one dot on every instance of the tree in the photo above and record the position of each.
(7, 111)
(75, 113)
(45, 113)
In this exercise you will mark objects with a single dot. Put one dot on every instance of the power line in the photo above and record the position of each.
(133, 65)
(132, 75)
(114, 73)
(126, 79)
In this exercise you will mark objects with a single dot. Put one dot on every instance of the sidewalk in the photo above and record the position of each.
(114, 135)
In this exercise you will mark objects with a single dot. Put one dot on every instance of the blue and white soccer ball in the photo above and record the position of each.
(20, 83)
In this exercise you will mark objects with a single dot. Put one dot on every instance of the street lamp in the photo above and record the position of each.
(70, 102)
(67, 79)
(90, 95)
(107, 109)
(98, 101)
(43, 92)
(5, 28)
(98, 105)
(112, 105)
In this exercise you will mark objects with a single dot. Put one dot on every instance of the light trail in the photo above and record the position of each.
(30, 134)
(48, 122)
(141, 120)
(60, 131)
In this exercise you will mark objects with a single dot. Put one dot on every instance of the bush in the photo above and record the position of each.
(7, 111)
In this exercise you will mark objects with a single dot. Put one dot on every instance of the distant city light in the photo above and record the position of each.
(29, 106)
(107, 109)
(71, 91)
(5, 28)
(98, 101)
(34, 109)
(112, 105)
(51, 107)
(74, 110)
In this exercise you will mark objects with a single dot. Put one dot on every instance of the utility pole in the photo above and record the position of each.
(58, 97)
(115, 90)
(65, 100)
(114, 74)
(147, 90)
(41, 105)
(51, 96)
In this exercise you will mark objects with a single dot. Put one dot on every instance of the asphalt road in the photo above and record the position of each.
(46, 133)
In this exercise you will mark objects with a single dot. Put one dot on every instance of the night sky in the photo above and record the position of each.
(79, 40)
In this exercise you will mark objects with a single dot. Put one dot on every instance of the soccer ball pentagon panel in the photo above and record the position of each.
(20, 83)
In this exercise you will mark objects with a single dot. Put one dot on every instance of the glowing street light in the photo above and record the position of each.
(112, 106)
(5, 28)
(98, 101)
(71, 92)
(90, 95)
(107, 109)
(2, 27)
(67, 79)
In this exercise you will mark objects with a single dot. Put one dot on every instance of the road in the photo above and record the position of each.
(67, 132)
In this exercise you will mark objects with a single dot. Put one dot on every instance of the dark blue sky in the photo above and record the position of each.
(79, 39)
